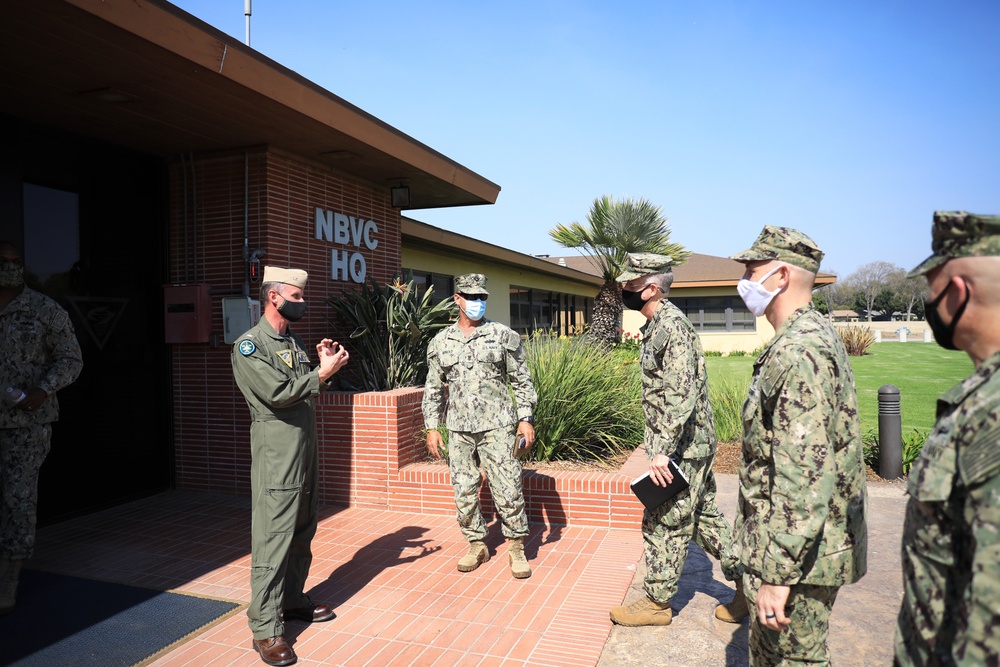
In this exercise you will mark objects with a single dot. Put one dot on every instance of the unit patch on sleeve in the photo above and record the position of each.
(247, 347)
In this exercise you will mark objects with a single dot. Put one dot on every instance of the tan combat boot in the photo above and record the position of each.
(518, 563)
(643, 612)
(735, 611)
(10, 572)
(478, 554)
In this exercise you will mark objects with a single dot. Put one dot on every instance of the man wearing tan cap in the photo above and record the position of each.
(800, 526)
(272, 370)
(951, 535)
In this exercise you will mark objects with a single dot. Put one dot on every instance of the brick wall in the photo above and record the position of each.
(208, 225)
(370, 451)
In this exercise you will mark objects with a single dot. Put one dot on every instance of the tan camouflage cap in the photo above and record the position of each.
(960, 234)
(276, 274)
(471, 283)
(784, 244)
(644, 263)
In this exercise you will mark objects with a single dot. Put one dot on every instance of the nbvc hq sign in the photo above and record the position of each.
(346, 230)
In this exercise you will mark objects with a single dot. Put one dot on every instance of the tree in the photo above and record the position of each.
(886, 302)
(911, 293)
(869, 281)
(616, 228)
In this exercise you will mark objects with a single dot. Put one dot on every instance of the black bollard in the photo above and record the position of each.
(890, 433)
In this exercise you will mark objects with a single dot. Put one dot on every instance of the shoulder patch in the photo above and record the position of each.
(247, 348)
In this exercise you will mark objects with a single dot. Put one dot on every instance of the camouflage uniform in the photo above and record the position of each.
(274, 374)
(679, 424)
(950, 613)
(802, 502)
(481, 418)
(40, 350)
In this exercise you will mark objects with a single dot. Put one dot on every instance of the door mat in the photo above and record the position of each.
(69, 621)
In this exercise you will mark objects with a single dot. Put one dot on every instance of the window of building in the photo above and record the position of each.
(444, 285)
(543, 310)
(717, 313)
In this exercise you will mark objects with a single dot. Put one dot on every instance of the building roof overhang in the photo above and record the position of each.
(420, 235)
(148, 76)
(698, 271)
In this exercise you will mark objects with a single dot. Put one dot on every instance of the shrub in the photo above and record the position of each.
(589, 402)
(913, 444)
(727, 397)
(857, 340)
(393, 326)
(713, 353)
(738, 353)
(632, 342)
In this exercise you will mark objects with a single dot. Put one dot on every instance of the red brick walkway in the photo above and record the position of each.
(390, 575)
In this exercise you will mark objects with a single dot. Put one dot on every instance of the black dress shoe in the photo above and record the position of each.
(275, 651)
(317, 614)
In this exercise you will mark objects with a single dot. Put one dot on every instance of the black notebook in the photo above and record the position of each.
(651, 495)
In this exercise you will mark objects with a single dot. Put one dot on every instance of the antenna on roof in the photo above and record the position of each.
(247, 12)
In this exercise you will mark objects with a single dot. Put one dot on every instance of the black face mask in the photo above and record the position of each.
(944, 334)
(633, 300)
(292, 310)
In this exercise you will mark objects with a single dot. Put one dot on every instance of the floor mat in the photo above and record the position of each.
(68, 621)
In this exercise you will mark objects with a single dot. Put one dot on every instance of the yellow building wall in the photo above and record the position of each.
(499, 278)
(724, 342)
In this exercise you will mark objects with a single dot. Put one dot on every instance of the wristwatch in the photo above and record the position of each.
(530, 420)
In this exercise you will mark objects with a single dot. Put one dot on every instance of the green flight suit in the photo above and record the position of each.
(274, 374)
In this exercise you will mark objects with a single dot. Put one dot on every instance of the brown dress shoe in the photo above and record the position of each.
(275, 651)
(317, 614)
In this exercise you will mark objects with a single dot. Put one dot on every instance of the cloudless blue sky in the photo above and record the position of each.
(851, 120)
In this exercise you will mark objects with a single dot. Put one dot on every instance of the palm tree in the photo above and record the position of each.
(615, 229)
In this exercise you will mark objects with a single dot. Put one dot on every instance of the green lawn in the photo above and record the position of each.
(922, 371)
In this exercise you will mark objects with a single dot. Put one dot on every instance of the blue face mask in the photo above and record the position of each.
(475, 309)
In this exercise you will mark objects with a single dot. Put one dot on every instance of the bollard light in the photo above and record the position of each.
(890, 433)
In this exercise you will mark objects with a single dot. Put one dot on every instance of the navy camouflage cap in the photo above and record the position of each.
(471, 283)
(644, 263)
(784, 244)
(960, 234)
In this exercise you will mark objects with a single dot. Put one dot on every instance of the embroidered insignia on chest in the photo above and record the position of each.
(247, 347)
(286, 356)
(303, 359)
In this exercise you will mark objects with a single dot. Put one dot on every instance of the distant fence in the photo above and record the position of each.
(916, 331)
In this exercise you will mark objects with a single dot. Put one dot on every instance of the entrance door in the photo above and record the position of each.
(94, 240)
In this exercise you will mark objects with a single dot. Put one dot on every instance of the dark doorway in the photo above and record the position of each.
(93, 229)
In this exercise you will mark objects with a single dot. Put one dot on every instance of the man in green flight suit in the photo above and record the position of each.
(477, 358)
(679, 426)
(800, 530)
(272, 370)
(951, 534)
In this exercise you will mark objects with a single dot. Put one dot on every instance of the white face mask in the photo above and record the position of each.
(475, 309)
(754, 295)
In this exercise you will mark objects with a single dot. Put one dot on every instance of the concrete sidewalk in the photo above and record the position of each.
(861, 628)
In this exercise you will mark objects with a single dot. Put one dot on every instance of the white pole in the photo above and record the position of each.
(247, 12)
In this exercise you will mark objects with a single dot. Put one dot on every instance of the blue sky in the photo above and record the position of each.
(850, 120)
